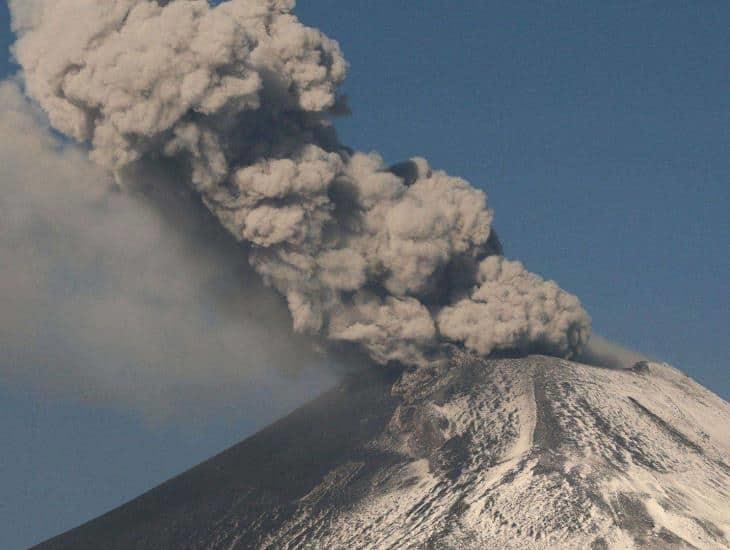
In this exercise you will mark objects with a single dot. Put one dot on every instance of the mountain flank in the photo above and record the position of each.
(527, 453)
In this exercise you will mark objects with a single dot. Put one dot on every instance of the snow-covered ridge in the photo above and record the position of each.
(545, 453)
(526, 453)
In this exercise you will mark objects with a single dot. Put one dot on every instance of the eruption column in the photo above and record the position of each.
(398, 261)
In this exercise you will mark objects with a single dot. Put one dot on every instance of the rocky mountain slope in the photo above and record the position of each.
(525, 453)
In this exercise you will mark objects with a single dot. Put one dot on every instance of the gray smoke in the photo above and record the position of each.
(604, 353)
(131, 299)
(398, 261)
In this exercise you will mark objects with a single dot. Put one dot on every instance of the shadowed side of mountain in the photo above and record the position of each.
(253, 482)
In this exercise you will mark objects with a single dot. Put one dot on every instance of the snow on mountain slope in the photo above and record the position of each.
(543, 453)
(523, 453)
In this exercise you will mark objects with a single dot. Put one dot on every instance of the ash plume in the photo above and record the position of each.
(131, 299)
(397, 261)
(601, 352)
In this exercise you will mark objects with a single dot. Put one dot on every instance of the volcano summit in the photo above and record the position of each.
(527, 453)
(454, 447)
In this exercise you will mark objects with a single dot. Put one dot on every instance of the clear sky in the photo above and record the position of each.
(601, 133)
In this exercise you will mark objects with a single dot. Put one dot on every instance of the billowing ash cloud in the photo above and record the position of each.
(132, 299)
(398, 260)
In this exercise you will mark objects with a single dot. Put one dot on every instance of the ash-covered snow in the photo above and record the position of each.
(527, 453)
(543, 453)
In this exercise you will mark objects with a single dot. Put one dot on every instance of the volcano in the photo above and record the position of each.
(528, 453)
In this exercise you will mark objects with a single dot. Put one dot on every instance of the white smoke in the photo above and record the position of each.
(398, 261)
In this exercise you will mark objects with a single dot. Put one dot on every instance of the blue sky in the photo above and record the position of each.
(600, 132)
